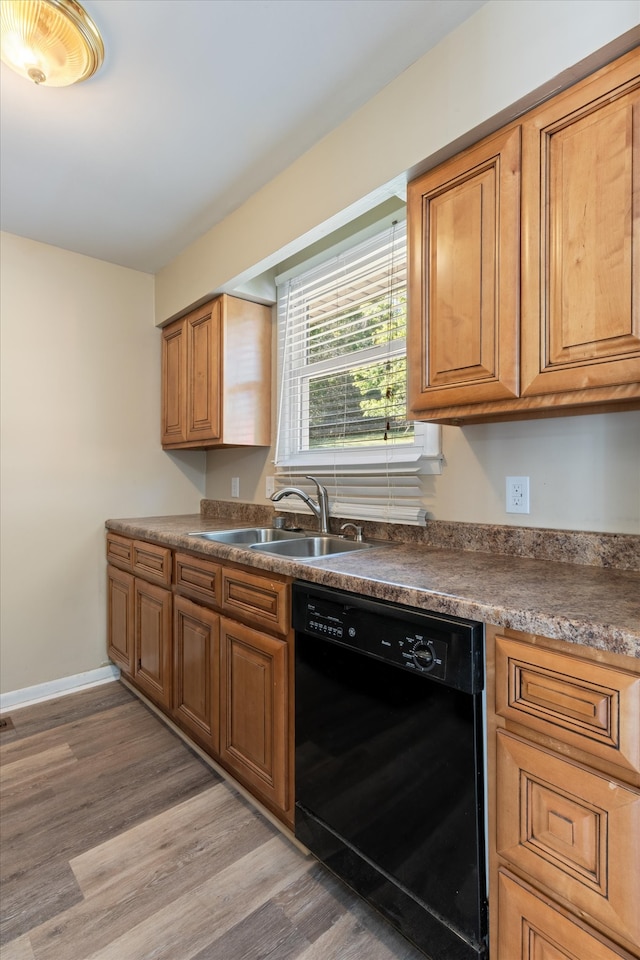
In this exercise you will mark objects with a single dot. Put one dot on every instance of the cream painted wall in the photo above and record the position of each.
(496, 58)
(80, 382)
(584, 473)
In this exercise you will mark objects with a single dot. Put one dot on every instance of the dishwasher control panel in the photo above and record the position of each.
(447, 649)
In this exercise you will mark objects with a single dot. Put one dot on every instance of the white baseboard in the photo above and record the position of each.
(58, 688)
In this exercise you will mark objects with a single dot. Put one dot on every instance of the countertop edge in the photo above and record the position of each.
(344, 572)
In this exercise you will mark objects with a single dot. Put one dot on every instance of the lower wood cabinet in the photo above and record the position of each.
(139, 633)
(120, 633)
(564, 800)
(532, 927)
(255, 708)
(565, 826)
(152, 617)
(196, 671)
(209, 644)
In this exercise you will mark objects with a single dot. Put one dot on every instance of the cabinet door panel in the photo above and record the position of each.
(174, 383)
(255, 708)
(196, 671)
(204, 365)
(153, 642)
(120, 613)
(581, 305)
(566, 827)
(533, 928)
(463, 220)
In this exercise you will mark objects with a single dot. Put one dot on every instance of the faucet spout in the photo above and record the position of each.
(319, 509)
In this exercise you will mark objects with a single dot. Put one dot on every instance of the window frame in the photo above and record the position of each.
(423, 452)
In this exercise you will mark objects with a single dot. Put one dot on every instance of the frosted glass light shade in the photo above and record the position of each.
(51, 42)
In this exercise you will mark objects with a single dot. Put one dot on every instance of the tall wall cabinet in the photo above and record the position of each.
(216, 376)
(524, 273)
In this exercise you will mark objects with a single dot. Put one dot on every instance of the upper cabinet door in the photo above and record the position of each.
(174, 383)
(581, 236)
(203, 329)
(463, 229)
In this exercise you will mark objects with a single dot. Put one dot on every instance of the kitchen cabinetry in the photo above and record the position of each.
(139, 614)
(196, 671)
(463, 218)
(216, 376)
(564, 748)
(255, 707)
(256, 725)
(220, 665)
(524, 287)
(120, 629)
(152, 668)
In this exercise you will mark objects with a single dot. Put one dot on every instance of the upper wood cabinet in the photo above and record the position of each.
(524, 286)
(463, 218)
(216, 376)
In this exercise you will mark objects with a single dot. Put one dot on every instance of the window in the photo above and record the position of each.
(342, 366)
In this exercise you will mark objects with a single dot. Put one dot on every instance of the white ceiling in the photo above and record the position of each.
(199, 103)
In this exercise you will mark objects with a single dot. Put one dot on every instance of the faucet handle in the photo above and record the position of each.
(356, 529)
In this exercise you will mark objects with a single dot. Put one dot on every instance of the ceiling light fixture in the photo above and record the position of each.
(52, 42)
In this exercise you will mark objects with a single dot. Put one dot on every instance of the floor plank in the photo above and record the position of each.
(120, 843)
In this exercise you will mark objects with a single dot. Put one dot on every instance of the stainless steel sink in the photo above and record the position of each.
(310, 548)
(247, 536)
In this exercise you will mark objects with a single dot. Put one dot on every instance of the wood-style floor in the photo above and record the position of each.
(120, 843)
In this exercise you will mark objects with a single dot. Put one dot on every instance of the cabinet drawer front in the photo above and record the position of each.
(575, 831)
(198, 578)
(120, 551)
(256, 599)
(532, 928)
(152, 562)
(584, 704)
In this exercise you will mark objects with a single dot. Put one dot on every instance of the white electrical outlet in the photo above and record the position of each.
(517, 495)
(235, 486)
(269, 487)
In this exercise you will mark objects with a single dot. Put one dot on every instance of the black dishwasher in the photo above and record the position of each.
(389, 762)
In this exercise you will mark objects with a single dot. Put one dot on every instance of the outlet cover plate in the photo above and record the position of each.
(517, 495)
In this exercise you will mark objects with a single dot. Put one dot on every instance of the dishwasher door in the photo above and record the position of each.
(389, 792)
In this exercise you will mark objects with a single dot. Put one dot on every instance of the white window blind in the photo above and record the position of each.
(342, 376)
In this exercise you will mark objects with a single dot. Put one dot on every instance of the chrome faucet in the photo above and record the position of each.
(357, 531)
(320, 509)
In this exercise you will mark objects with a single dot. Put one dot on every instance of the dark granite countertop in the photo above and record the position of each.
(588, 605)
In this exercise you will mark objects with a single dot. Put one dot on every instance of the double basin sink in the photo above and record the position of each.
(297, 545)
